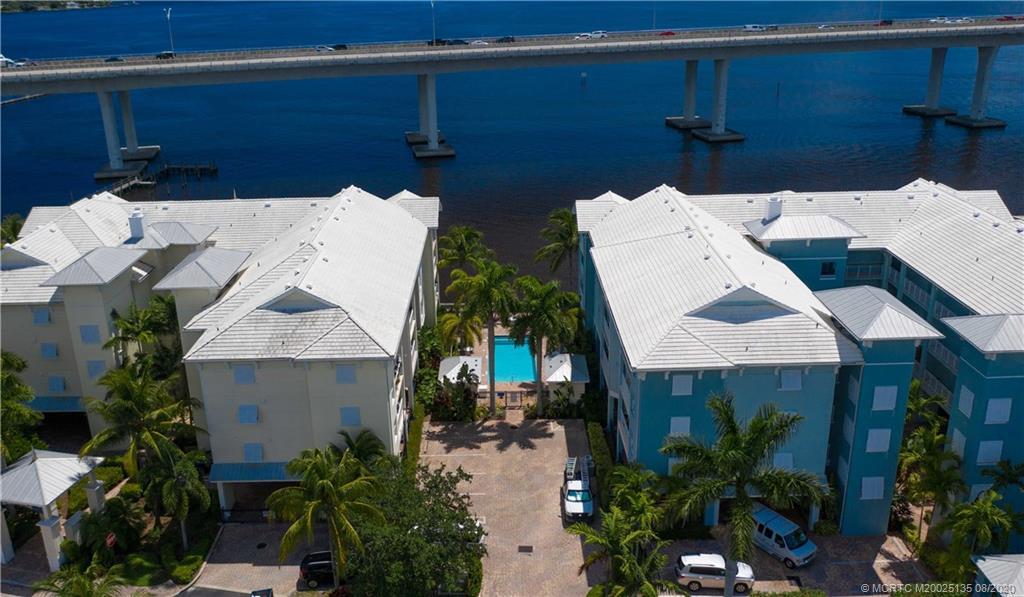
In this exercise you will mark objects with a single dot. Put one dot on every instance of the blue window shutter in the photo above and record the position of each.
(95, 368)
(253, 453)
(248, 414)
(56, 384)
(350, 416)
(244, 374)
(41, 316)
(48, 350)
(90, 334)
(344, 374)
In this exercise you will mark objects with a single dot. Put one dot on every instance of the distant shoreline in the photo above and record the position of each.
(28, 6)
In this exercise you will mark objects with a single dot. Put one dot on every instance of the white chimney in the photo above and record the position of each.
(137, 224)
(772, 209)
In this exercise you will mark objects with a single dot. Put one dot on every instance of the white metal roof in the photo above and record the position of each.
(424, 209)
(211, 267)
(1005, 571)
(450, 366)
(589, 213)
(991, 333)
(41, 476)
(791, 227)
(564, 367)
(871, 313)
(98, 266)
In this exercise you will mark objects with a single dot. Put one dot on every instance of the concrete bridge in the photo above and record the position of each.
(720, 45)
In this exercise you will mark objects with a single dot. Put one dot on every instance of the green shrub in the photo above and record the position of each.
(131, 492)
(594, 406)
(142, 569)
(476, 578)
(602, 460)
(72, 551)
(184, 572)
(826, 528)
(168, 557)
(412, 443)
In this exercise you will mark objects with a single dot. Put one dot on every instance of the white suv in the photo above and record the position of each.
(698, 570)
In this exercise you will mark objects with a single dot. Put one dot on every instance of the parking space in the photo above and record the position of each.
(517, 470)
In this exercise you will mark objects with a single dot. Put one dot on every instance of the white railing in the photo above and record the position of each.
(931, 385)
(916, 293)
(944, 355)
(864, 272)
(942, 311)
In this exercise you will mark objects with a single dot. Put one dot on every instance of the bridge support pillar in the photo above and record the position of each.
(931, 108)
(116, 166)
(982, 78)
(718, 133)
(131, 150)
(428, 141)
(689, 119)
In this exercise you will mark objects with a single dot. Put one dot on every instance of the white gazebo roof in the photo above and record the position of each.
(40, 477)
(450, 367)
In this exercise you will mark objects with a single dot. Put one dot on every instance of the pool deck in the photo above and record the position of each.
(480, 350)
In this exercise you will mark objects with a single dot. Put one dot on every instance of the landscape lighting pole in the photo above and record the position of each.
(170, 34)
(433, 25)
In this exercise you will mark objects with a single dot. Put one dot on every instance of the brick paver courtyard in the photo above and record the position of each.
(517, 474)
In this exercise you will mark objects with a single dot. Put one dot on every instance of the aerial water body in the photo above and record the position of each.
(527, 141)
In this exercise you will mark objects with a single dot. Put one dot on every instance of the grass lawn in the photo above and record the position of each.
(141, 570)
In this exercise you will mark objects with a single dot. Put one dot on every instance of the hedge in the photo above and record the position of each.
(476, 578)
(602, 461)
(412, 445)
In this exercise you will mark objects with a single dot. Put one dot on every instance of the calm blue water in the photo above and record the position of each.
(527, 140)
(512, 363)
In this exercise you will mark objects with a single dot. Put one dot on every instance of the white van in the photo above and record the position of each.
(754, 28)
(782, 538)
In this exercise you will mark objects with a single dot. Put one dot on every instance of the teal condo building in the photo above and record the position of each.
(826, 304)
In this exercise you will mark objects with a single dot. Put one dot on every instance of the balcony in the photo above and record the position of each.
(941, 311)
(864, 272)
(944, 355)
(931, 385)
(916, 293)
(893, 277)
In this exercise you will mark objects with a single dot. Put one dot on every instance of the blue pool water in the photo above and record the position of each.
(512, 363)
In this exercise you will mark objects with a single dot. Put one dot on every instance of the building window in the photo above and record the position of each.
(56, 384)
(682, 385)
(244, 374)
(49, 350)
(998, 411)
(248, 414)
(872, 488)
(966, 402)
(95, 368)
(679, 426)
(848, 429)
(958, 443)
(990, 452)
(885, 398)
(252, 453)
(878, 440)
(41, 316)
(90, 334)
(345, 374)
(828, 270)
(843, 470)
(783, 460)
(790, 380)
(350, 416)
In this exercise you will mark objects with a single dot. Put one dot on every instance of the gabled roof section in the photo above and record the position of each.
(810, 227)
(211, 267)
(870, 313)
(590, 212)
(98, 266)
(1005, 571)
(424, 209)
(991, 333)
(164, 234)
(41, 476)
(563, 367)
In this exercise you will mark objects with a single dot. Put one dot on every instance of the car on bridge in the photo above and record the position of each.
(114, 59)
(508, 39)
(599, 34)
(165, 55)
(667, 33)
(324, 49)
(458, 42)
(478, 42)
(754, 28)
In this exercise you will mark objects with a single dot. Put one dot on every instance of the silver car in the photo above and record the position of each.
(699, 570)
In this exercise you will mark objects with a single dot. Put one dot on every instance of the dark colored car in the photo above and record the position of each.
(340, 46)
(458, 42)
(1006, 18)
(317, 570)
(667, 33)
(884, 23)
(166, 55)
(114, 59)
(437, 42)
(508, 39)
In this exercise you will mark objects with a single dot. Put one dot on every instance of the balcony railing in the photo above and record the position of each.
(942, 311)
(864, 272)
(931, 385)
(944, 355)
(893, 277)
(916, 293)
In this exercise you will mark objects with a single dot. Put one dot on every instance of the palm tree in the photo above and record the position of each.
(461, 247)
(737, 464)
(118, 527)
(922, 408)
(977, 523)
(10, 227)
(1005, 474)
(137, 409)
(72, 582)
(633, 491)
(488, 294)
(15, 414)
(639, 575)
(617, 539)
(545, 311)
(459, 328)
(137, 327)
(931, 473)
(562, 237)
(334, 487)
(181, 488)
(365, 446)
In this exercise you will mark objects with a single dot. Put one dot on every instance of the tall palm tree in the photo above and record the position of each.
(182, 488)
(490, 295)
(922, 408)
(461, 248)
(10, 227)
(976, 524)
(735, 465)
(930, 472)
(72, 582)
(15, 414)
(136, 327)
(618, 538)
(1005, 475)
(138, 410)
(334, 487)
(366, 447)
(639, 574)
(460, 328)
(633, 491)
(562, 238)
(545, 311)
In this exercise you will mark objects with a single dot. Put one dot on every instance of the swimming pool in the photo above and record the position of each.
(512, 363)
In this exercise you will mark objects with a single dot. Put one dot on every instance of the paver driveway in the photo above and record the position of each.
(517, 473)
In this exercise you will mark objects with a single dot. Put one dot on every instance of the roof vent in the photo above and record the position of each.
(267, 204)
(750, 199)
(910, 195)
(325, 259)
(690, 234)
(309, 287)
(320, 242)
(313, 204)
(809, 199)
(728, 284)
(165, 207)
(977, 213)
(856, 197)
(772, 209)
(935, 193)
(995, 224)
(706, 256)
